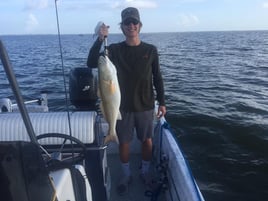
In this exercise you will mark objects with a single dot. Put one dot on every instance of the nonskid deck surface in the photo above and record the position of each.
(136, 188)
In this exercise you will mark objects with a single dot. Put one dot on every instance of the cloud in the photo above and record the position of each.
(36, 4)
(187, 20)
(134, 3)
(265, 5)
(107, 4)
(31, 23)
(194, 1)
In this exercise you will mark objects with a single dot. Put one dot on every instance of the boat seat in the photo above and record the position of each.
(23, 175)
(12, 127)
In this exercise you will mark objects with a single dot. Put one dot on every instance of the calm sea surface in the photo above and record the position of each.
(216, 93)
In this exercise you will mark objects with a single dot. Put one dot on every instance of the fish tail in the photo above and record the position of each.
(111, 138)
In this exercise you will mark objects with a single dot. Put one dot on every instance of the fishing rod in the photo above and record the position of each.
(105, 46)
(97, 29)
(17, 93)
(62, 68)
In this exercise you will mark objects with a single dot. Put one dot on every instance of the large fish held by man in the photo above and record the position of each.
(110, 96)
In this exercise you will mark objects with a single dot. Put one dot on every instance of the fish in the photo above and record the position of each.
(110, 96)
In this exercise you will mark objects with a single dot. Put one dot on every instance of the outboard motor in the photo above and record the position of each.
(5, 105)
(83, 89)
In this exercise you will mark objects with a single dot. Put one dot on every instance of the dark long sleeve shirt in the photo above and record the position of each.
(138, 74)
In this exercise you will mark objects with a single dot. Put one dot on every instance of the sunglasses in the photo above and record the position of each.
(130, 20)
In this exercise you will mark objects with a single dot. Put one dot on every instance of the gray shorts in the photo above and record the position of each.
(141, 121)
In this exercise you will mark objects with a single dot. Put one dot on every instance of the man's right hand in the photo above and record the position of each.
(103, 32)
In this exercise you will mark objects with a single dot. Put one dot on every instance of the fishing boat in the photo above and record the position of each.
(50, 155)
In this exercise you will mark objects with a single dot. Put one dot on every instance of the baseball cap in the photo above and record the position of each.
(130, 12)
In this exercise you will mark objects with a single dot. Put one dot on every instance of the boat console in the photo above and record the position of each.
(83, 123)
(23, 173)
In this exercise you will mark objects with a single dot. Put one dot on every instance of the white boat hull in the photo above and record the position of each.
(181, 183)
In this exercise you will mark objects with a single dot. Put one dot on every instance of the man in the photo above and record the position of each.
(138, 71)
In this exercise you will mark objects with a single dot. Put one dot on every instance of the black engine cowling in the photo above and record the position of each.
(83, 88)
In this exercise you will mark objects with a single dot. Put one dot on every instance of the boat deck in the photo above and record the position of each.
(136, 188)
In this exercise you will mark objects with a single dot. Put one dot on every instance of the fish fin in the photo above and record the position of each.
(112, 87)
(111, 138)
(102, 110)
(119, 116)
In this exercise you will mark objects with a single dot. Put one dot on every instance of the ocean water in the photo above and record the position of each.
(216, 87)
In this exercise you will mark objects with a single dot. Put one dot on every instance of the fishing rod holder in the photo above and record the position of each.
(36, 105)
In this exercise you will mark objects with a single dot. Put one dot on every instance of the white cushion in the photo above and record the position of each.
(12, 127)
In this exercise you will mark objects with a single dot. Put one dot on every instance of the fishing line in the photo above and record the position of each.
(63, 71)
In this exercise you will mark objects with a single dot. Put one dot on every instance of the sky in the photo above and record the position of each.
(81, 16)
